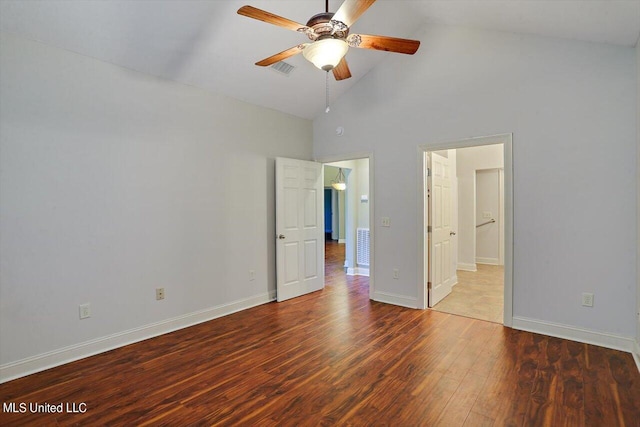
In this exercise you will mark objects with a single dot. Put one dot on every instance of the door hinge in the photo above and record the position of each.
(428, 171)
(428, 229)
(429, 285)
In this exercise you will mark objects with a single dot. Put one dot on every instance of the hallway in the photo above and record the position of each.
(334, 274)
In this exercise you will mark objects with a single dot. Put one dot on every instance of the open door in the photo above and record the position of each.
(441, 274)
(299, 228)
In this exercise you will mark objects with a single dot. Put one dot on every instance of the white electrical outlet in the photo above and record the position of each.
(396, 273)
(252, 275)
(85, 310)
(159, 293)
(386, 221)
(587, 299)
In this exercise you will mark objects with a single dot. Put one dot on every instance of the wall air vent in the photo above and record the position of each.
(362, 246)
(283, 67)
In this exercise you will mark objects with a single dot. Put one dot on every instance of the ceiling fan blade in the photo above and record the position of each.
(351, 10)
(270, 18)
(389, 44)
(341, 71)
(280, 56)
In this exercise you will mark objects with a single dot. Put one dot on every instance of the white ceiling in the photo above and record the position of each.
(204, 43)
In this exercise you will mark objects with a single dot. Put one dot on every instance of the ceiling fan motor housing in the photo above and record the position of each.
(324, 27)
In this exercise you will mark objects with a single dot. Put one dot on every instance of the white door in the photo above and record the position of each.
(299, 228)
(441, 272)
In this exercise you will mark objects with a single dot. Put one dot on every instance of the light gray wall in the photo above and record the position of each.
(362, 171)
(488, 200)
(572, 109)
(468, 161)
(115, 183)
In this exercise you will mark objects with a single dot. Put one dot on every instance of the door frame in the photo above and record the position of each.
(507, 142)
(372, 222)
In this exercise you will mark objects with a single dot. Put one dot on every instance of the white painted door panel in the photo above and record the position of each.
(299, 228)
(441, 274)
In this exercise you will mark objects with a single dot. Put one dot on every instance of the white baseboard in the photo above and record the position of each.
(342, 241)
(466, 267)
(636, 354)
(31, 365)
(572, 333)
(395, 299)
(358, 271)
(490, 261)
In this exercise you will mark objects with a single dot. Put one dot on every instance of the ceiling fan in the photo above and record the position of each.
(330, 38)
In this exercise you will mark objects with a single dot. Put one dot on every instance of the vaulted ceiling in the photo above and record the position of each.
(205, 43)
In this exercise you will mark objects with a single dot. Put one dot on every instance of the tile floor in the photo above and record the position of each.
(478, 294)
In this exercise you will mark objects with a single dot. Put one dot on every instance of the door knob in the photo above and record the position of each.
(452, 233)
(281, 236)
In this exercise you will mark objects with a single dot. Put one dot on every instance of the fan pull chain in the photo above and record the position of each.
(327, 103)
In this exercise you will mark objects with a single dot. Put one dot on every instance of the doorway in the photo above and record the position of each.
(472, 270)
(334, 204)
(300, 217)
(351, 236)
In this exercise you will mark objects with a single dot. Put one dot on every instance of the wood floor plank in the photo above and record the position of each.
(626, 387)
(600, 406)
(545, 355)
(494, 394)
(569, 404)
(459, 406)
(335, 357)
(477, 420)
(523, 350)
(426, 407)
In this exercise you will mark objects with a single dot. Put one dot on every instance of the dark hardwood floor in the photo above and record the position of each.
(336, 358)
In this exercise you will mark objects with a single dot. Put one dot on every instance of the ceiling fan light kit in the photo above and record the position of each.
(330, 38)
(326, 54)
(340, 183)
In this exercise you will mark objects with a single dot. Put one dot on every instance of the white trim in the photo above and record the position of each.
(636, 354)
(455, 280)
(466, 267)
(401, 300)
(31, 365)
(501, 216)
(490, 261)
(358, 271)
(573, 333)
(508, 230)
(342, 241)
